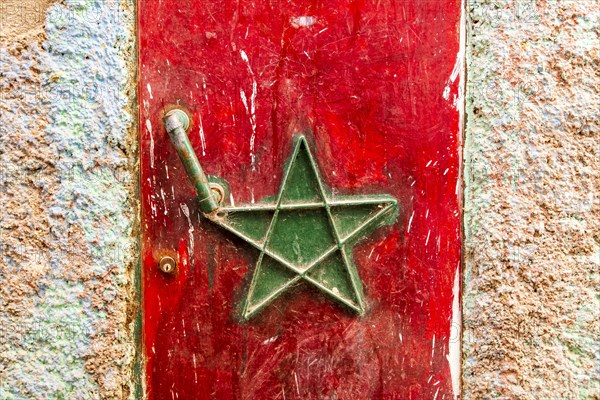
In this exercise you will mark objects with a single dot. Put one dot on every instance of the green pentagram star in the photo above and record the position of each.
(306, 234)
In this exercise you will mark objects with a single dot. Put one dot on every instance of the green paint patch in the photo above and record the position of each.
(302, 183)
(271, 279)
(332, 274)
(251, 224)
(348, 219)
(301, 236)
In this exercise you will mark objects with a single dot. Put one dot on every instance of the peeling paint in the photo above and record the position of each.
(454, 354)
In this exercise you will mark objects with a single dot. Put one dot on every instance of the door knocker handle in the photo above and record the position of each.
(210, 194)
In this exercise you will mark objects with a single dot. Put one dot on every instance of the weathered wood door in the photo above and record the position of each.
(354, 102)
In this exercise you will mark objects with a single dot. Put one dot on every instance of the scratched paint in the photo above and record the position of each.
(376, 90)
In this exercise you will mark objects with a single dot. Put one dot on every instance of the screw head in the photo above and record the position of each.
(167, 264)
(218, 191)
(182, 116)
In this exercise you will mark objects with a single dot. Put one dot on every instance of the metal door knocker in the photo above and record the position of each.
(304, 233)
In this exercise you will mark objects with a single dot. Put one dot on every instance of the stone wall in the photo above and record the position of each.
(68, 199)
(531, 221)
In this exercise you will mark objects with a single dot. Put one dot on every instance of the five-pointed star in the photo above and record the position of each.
(306, 234)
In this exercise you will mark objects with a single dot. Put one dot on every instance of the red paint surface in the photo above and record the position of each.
(367, 78)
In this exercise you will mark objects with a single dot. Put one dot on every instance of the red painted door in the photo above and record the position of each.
(374, 88)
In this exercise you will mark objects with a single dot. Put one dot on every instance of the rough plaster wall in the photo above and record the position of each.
(532, 207)
(67, 199)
